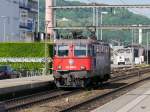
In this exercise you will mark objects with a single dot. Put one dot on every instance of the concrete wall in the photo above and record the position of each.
(9, 20)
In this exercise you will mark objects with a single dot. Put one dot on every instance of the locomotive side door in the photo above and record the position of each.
(100, 59)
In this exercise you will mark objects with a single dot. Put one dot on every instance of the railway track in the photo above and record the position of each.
(30, 100)
(50, 96)
(126, 69)
(88, 104)
(99, 100)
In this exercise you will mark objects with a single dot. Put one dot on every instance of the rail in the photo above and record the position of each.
(44, 97)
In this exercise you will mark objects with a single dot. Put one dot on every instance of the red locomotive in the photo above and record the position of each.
(80, 62)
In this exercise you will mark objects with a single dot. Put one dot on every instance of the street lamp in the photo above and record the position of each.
(97, 22)
(102, 13)
(4, 26)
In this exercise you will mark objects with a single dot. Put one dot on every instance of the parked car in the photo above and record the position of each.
(6, 72)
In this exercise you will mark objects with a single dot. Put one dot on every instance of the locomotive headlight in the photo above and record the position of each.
(59, 67)
(83, 67)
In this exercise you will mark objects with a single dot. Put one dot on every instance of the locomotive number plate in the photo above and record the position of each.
(71, 67)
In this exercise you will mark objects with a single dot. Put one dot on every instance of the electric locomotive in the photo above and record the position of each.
(80, 62)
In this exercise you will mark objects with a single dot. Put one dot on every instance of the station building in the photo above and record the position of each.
(18, 20)
(131, 54)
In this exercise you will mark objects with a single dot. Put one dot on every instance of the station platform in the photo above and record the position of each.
(137, 100)
(19, 84)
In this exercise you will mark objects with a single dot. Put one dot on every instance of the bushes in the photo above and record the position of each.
(22, 50)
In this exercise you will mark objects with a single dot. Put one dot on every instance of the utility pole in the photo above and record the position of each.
(147, 47)
(97, 23)
(54, 21)
(102, 23)
(132, 48)
(94, 18)
(46, 39)
(38, 15)
(140, 35)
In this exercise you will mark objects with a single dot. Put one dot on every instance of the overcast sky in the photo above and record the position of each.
(145, 12)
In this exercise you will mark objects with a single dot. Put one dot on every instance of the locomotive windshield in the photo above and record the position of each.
(63, 50)
(80, 50)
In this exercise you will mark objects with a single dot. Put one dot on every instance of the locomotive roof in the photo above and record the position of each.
(78, 41)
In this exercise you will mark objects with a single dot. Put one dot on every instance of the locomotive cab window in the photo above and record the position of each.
(80, 50)
(90, 50)
(54, 50)
(63, 50)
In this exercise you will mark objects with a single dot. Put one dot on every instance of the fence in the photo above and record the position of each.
(28, 73)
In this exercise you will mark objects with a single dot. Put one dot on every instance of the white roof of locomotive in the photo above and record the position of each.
(77, 41)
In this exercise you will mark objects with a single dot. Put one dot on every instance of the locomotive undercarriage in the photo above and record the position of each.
(77, 79)
(71, 79)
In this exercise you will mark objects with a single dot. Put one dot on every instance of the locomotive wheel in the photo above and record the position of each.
(86, 83)
(106, 77)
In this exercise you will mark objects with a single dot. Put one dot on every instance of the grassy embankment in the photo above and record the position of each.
(24, 50)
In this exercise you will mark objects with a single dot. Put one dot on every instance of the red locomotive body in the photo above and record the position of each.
(75, 61)
(72, 63)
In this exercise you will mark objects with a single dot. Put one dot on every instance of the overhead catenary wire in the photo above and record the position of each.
(127, 8)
